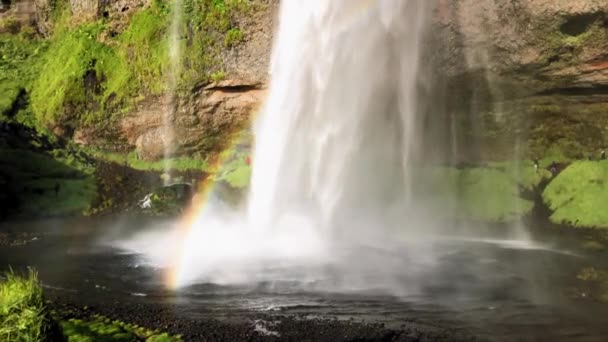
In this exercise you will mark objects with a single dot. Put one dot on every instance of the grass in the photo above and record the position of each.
(578, 195)
(22, 312)
(24, 318)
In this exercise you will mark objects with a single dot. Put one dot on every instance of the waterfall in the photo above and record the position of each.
(172, 79)
(331, 168)
(337, 134)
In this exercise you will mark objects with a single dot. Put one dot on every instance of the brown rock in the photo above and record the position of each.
(199, 122)
(523, 46)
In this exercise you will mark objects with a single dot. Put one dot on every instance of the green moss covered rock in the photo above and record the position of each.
(491, 193)
(578, 195)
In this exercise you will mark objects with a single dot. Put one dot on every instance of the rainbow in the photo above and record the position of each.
(196, 211)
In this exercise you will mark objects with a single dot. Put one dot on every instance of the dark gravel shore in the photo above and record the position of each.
(254, 327)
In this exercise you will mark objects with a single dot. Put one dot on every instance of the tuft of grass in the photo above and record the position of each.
(578, 195)
(22, 312)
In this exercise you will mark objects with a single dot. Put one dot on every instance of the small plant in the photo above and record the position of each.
(233, 37)
(218, 76)
(22, 313)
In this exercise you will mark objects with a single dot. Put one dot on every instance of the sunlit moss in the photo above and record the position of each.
(578, 195)
(19, 66)
(89, 74)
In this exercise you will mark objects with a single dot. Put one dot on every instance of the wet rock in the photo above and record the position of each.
(201, 121)
(523, 47)
(16, 14)
(167, 200)
(243, 328)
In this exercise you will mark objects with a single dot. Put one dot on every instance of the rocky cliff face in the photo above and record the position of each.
(531, 63)
(204, 119)
(16, 14)
(531, 72)
(529, 46)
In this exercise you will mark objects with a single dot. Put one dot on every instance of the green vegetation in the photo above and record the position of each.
(523, 172)
(489, 193)
(88, 74)
(19, 66)
(548, 128)
(22, 313)
(49, 184)
(131, 160)
(233, 37)
(102, 329)
(169, 200)
(25, 318)
(218, 76)
(578, 195)
(66, 90)
(236, 172)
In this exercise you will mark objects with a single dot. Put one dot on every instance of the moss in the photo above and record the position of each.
(131, 160)
(169, 200)
(578, 195)
(22, 313)
(19, 66)
(67, 88)
(100, 328)
(218, 76)
(236, 173)
(523, 172)
(489, 194)
(89, 75)
(48, 184)
(548, 128)
(233, 37)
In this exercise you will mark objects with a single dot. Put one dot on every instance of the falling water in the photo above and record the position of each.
(335, 139)
(333, 144)
(337, 146)
(173, 73)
